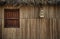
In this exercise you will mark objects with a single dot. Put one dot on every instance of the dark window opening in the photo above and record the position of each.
(11, 18)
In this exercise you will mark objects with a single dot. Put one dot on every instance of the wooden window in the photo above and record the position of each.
(11, 18)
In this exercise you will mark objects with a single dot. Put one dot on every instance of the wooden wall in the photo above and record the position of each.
(0, 23)
(34, 27)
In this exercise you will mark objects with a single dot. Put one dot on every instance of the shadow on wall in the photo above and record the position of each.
(33, 2)
(53, 2)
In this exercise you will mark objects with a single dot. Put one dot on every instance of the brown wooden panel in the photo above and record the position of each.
(31, 29)
(35, 29)
(29, 12)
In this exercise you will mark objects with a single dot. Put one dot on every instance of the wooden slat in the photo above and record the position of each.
(58, 30)
(0, 13)
(55, 27)
(0, 28)
(58, 12)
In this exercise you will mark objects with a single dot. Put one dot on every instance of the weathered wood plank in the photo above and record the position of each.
(58, 12)
(58, 28)
(9, 33)
(0, 13)
(44, 29)
(0, 28)
(54, 29)
(29, 12)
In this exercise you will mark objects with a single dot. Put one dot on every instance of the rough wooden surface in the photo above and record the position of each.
(34, 27)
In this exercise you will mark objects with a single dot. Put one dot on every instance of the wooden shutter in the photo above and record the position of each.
(11, 18)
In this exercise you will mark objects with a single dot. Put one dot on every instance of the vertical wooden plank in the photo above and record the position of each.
(38, 29)
(51, 28)
(46, 14)
(21, 28)
(17, 33)
(0, 23)
(22, 12)
(58, 12)
(0, 13)
(36, 12)
(30, 12)
(51, 11)
(29, 29)
(0, 28)
(55, 26)
(58, 29)
(33, 28)
(44, 33)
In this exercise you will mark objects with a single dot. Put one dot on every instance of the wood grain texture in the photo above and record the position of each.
(34, 27)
